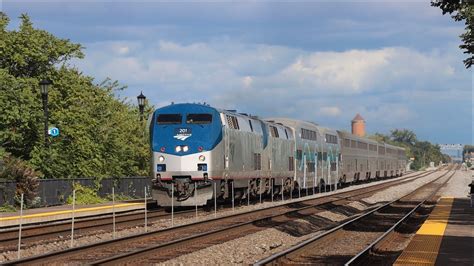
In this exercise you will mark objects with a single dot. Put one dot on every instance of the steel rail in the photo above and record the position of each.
(75, 250)
(126, 257)
(275, 257)
(370, 247)
(50, 230)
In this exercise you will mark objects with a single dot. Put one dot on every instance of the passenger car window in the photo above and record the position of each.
(274, 132)
(198, 118)
(164, 119)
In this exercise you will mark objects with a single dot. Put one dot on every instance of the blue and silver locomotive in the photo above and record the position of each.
(201, 153)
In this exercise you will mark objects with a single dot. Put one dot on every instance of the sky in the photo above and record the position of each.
(397, 63)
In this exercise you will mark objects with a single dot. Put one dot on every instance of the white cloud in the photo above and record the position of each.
(384, 85)
(123, 50)
(330, 110)
(347, 72)
(247, 81)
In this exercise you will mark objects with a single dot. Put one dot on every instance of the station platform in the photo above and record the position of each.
(64, 212)
(446, 237)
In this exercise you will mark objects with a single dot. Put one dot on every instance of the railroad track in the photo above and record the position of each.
(350, 242)
(49, 232)
(190, 237)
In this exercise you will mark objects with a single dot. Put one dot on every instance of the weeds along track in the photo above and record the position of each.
(175, 241)
(350, 241)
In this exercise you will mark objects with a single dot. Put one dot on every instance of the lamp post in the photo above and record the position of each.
(44, 86)
(141, 104)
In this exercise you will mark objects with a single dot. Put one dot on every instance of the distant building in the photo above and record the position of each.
(469, 157)
(452, 150)
(358, 126)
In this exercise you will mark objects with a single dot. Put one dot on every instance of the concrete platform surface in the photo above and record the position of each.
(446, 237)
(48, 214)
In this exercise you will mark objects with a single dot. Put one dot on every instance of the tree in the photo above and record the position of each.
(380, 137)
(467, 149)
(423, 151)
(403, 135)
(461, 10)
(101, 135)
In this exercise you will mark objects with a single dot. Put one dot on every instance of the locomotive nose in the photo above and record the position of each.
(195, 165)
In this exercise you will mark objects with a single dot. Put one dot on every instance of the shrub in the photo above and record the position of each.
(7, 208)
(85, 195)
(26, 178)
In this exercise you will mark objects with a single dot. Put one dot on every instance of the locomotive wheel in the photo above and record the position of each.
(287, 185)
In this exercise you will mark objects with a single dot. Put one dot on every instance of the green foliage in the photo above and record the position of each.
(468, 164)
(7, 208)
(30, 52)
(85, 195)
(423, 151)
(468, 148)
(461, 10)
(404, 136)
(101, 135)
(26, 178)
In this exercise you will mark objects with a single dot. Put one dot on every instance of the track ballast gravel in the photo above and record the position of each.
(252, 248)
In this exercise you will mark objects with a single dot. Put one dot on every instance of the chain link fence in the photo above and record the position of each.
(56, 191)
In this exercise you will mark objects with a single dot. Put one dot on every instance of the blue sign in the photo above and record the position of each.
(53, 131)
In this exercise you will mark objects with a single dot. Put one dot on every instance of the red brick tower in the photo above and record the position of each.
(358, 126)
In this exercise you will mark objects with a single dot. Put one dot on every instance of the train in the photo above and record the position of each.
(201, 153)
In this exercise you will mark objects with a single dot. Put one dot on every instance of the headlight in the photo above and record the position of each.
(178, 148)
(185, 148)
(202, 158)
(161, 158)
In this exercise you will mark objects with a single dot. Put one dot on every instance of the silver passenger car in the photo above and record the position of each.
(201, 153)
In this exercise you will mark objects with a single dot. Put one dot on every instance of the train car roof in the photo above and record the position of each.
(278, 121)
(394, 147)
(246, 116)
(293, 122)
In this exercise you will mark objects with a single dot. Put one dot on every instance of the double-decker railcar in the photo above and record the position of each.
(201, 153)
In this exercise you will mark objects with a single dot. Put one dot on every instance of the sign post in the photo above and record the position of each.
(172, 204)
(233, 206)
(195, 198)
(146, 212)
(19, 230)
(282, 191)
(73, 213)
(113, 212)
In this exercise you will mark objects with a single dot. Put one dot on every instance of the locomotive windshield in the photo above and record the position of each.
(198, 118)
(192, 128)
(165, 119)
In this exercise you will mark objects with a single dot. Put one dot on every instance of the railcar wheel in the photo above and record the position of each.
(340, 182)
(322, 185)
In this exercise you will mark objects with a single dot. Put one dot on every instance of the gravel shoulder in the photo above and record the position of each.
(458, 185)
